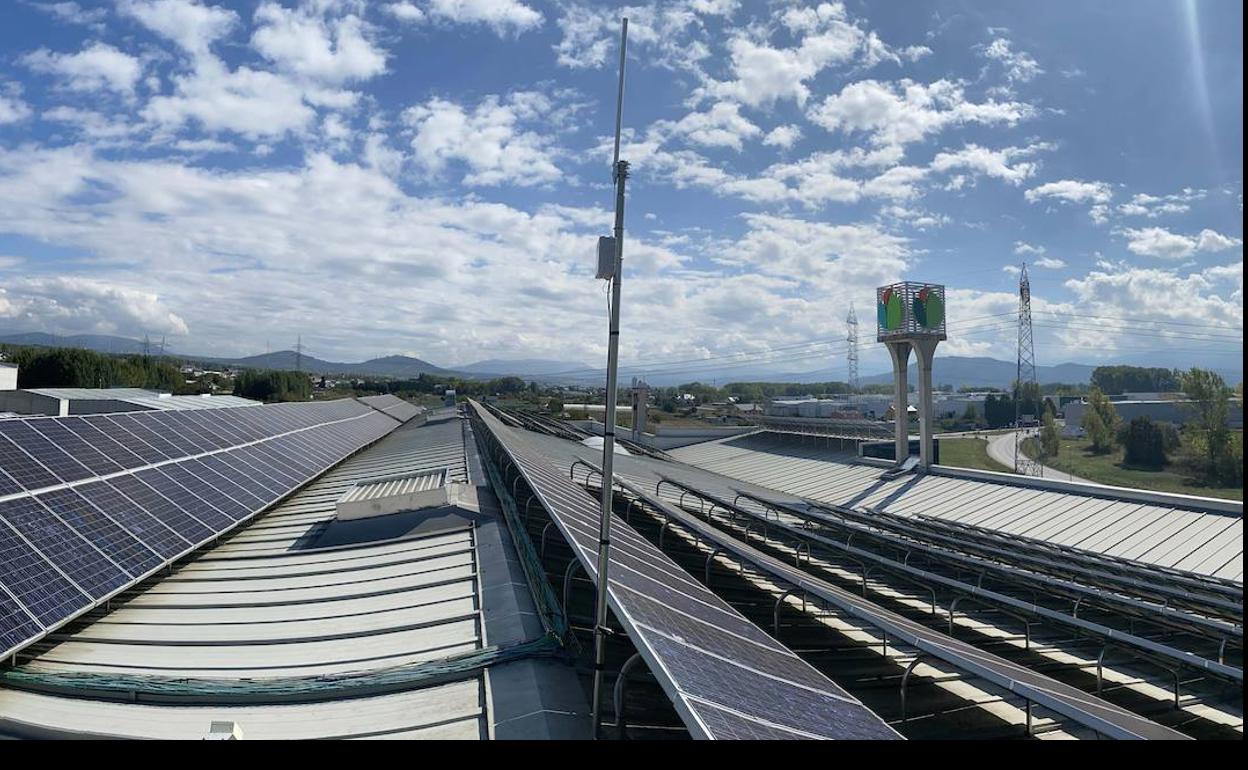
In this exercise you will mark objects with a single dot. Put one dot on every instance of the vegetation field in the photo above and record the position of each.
(1075, 457)
(969, 453)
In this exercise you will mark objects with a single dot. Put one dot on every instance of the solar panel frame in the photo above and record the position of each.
(75, 556)
(120, 545)
(94, 460)
(31, 579)
(816, 707)
(162, 508)
(151, 507)
(135, 519)
(87, 430)
(43, 451)
(166, 481)
(25, 470)
(133, 443)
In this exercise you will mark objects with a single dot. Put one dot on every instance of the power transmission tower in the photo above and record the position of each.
(162, 346)
(147, 347)
(852, 338)
(299, 354)
(1025, 372)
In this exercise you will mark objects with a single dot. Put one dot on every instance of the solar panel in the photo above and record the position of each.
(68, 441)
(45, 452)
(76, 558)
(123, 548)
(725, 676)
(32, 581)
(163, 509)
(142, 429)
(117, 432)
(89, 431)
(145, 527)
(171, 481)
(393, 406)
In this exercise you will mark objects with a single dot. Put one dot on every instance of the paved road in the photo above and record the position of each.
(1001, 448)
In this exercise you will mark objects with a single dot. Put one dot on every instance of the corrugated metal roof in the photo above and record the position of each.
(1187, 538)
(257, 607)
(399, 485)
(148, 399)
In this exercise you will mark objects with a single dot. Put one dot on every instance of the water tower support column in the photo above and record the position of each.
(900, 353)
(924, 350)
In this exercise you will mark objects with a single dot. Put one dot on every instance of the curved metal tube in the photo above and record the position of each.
(617, 695)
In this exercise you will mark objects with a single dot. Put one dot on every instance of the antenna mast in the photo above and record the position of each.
(619, 173)
(299, 354)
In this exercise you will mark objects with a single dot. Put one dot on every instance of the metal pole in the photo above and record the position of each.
(619, 170)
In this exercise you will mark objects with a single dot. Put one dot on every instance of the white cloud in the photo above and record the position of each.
(1071, 191)
(1022, 247)
(783, 137)
(100, 128)
(826, 36)
(503, 16)
(405, 11)
(71, 304)
(1018, 65)
(992, 163)
(73, 13)
(1153, 206)
(1209, 297)
(1050, 263)
(489, 139)
(333, 51)
(252, 103)
(12, 108)
(1163, 244)
(194, 27)
(721, 126)
(906, 111)
(96, 67)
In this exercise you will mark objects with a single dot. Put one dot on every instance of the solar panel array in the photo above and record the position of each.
(726, 677)
(394, 406)
(90, 505)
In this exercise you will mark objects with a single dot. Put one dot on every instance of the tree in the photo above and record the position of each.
(1100, 422)
(1212, 438)
(1145, 444)
(555, 406)
(1138, 379)
(265, 385)
(1049, 439)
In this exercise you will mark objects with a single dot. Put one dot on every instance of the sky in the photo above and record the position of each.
(429, 177)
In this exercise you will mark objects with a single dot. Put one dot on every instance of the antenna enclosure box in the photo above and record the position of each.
(606, 257)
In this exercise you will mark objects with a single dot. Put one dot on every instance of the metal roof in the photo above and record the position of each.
(260, 608)
(148, 399)
(1188, 538)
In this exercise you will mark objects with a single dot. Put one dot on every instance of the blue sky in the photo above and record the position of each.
(429, 176)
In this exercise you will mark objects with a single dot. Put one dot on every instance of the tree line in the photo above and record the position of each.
(80, 368)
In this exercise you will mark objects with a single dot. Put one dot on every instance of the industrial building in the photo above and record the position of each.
(1176, 411)
(59, 402)
(358, 569)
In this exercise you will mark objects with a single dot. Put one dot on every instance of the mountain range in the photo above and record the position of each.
(957, 371)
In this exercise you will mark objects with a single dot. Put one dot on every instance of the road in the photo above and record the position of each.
(1001, 449)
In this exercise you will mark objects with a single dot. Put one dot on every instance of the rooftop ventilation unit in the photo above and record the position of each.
(395, 494)
(224, 731)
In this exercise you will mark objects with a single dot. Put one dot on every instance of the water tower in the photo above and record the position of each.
(912, 316)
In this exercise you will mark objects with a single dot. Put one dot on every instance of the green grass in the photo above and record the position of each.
(1075, 457)
(969, 453)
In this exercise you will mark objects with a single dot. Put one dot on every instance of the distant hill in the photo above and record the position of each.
(981, 372)
(387, 366)
(101, 343)
(520, 367)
